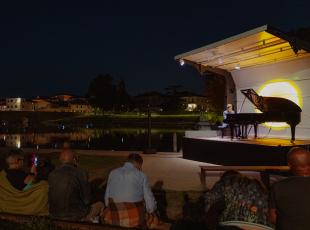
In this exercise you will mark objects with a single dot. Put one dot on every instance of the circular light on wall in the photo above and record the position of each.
(281, 88)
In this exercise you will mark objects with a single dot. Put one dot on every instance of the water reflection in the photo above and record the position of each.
(106, 139)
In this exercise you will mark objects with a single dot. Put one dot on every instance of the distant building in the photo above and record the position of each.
(2, 105)
(58, 103)
(80, 105)
(154, 99)
(192, 102)
(18, 104)
(62, 97)
(41, 104)
(188, 100)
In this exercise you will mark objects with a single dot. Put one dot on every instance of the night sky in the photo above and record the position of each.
(59, 46)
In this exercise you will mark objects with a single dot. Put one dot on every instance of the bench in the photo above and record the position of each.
(65, 224)
(22, 219)
(223, 131)
(265, 171)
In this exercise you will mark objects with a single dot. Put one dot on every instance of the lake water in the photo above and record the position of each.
(165, 140)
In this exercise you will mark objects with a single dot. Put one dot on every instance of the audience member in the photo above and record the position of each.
(289, 198)
(237, 198)
(70, 192)
(15, 172)
(13, 195)
(128, 194)
(44, 168)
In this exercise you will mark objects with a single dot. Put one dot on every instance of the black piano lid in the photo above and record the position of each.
(270, 104)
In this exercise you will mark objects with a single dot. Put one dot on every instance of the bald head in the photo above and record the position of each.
(299, 161)
(67, 156)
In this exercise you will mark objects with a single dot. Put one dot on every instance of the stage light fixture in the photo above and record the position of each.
(237, 66)
(182, 62)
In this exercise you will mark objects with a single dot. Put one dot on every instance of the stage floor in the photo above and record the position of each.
(260, 141)
(224, 151)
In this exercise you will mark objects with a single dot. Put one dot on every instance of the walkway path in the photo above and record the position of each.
(175, 172)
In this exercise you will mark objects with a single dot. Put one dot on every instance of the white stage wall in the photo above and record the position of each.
(254, 77)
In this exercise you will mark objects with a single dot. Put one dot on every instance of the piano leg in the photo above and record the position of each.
(293, 126)
(242, 130)
(238, 130)
(232, 126)
(246, 131)
(255, 130)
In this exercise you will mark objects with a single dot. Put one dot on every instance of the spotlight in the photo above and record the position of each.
(237, 66)
(182, 62)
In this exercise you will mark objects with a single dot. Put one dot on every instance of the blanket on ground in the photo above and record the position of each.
(34, 201)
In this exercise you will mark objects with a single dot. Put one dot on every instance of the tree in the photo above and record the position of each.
(215, 92)
(173, 102)
(102, 92)
(123, 101)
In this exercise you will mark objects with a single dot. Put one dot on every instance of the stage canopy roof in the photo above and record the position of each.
(259, 46)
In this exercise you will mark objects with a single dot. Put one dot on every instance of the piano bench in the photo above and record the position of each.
(223, 131)
(265, 171)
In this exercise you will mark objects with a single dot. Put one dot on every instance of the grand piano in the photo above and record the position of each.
(274, 109)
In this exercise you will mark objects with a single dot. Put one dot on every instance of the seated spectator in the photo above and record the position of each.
(289, 198)
(237, 198)
(15, 173)
(13, 180)
(128, 194)
(44, 168)
(70, 192)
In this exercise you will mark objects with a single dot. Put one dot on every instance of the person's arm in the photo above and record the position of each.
(148, 196)
(273, 215)
(85, 190)
(30, 177)
(272, 207)
(107, 192)
(224, 115)
(214, 195)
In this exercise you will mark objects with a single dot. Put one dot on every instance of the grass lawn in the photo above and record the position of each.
(96, 166)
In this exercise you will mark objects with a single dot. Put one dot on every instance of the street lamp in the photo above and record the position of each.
(149, 149)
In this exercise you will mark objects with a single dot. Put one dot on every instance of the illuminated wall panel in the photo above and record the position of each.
(296, 72)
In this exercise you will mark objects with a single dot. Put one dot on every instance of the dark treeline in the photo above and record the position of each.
(106, 94)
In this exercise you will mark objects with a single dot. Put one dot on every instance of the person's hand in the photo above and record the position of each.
(152, 220)
(33, 170)
(76, 160)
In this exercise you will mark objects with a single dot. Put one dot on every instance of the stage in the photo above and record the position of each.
(224, 151)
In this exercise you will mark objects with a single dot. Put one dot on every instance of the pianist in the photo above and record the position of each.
(229, 110)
